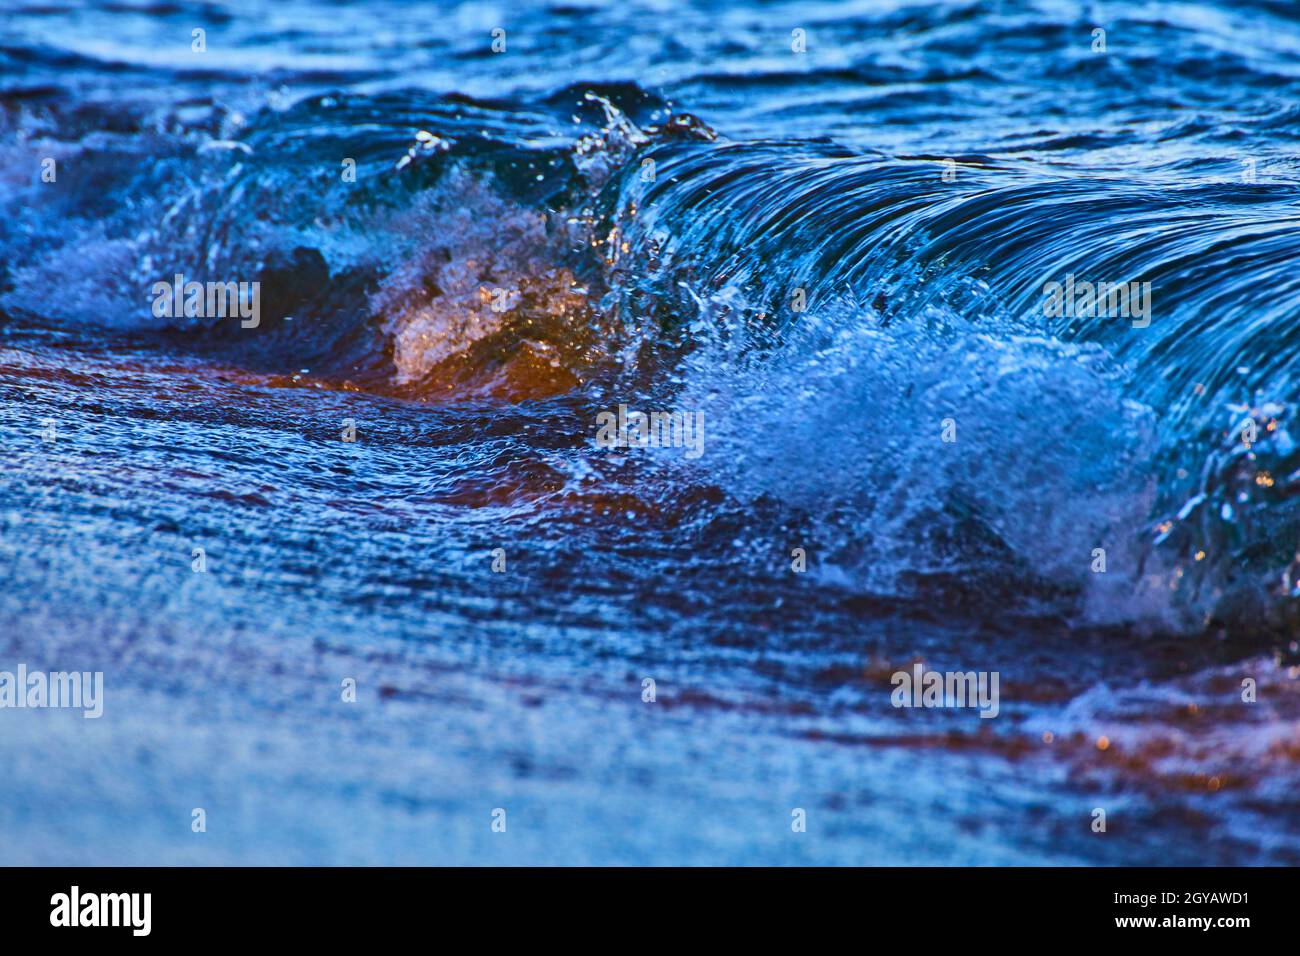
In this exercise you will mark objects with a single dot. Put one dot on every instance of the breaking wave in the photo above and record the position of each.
(865, 334)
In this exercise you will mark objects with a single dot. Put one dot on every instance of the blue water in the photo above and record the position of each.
(650, 187)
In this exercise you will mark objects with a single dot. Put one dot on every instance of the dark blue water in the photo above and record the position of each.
(828, 229)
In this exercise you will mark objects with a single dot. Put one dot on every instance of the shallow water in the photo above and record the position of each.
(648, 187)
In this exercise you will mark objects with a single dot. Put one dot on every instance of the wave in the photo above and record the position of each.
(836, 314)
(874, 298)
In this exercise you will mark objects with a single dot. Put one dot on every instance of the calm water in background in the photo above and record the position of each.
(1168, 158)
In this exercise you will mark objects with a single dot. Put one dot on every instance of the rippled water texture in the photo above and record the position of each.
(827, 231)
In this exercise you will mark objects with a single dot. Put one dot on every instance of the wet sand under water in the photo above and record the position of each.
(523, 689)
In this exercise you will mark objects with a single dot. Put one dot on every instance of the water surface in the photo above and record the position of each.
(650, 186)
